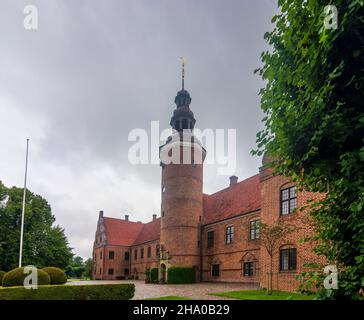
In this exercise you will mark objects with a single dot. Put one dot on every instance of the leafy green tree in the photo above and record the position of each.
(272, 236)
(44, 244)
(314, 123)
(76, 268)
(88, 269)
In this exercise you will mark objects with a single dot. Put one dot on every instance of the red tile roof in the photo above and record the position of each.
(240, 198)
(121, 232)
(127, 233)
(150, 231)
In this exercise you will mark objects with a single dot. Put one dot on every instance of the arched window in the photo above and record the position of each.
(287, 258)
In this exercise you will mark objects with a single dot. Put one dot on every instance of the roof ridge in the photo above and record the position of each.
(151, 221)
(228, 187)
(144, 231)
(127, 221)
(140, 222)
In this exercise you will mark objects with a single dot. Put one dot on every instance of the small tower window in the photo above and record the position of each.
(163, 189)
(184, 124)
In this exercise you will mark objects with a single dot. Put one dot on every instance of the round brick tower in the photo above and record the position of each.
(182, 159)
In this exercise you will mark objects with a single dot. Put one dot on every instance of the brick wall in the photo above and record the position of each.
(107, 267)
(231, 256)
(139, 265)
(270, 213)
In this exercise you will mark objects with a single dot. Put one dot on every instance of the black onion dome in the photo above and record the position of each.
(183, 117)
(183, 98)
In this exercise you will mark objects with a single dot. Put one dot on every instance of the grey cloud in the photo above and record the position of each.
(97, 69)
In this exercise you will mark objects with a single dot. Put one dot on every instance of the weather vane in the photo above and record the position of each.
(183, 60)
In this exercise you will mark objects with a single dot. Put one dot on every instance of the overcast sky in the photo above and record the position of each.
(94, 70)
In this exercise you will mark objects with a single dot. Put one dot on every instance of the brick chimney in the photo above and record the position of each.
(126, 217)
(233, 180)
(154, 217)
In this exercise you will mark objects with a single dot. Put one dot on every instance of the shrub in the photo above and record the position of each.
(177, 275)
(57, 275)
(154, 275)
(69, 292)
(2, 274)
(16, 277)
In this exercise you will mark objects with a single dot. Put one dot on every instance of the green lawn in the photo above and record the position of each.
(169, 298)
(262, 295)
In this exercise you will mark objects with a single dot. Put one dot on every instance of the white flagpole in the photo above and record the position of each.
(23, 209)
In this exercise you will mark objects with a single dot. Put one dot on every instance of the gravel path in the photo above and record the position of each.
(195, 291)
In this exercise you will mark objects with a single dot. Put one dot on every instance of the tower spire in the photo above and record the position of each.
(183, 117)
(183, 72)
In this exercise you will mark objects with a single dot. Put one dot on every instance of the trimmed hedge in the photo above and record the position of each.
(15, 278)
(57, 275)
(71, 292)
(179, 275)
(2, 274)
(153, 274)
(147, 275)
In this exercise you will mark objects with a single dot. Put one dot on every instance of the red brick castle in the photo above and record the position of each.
(218, 234)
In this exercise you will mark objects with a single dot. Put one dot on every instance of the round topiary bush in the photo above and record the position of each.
(56, 274)
(16, 277)
(2, 274)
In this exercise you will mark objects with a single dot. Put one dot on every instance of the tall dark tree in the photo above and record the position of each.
(44, 244)
(314, 124)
